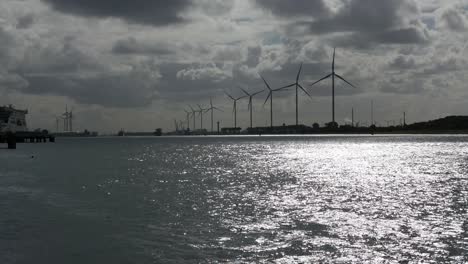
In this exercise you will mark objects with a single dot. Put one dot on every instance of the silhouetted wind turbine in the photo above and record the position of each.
(234, 108)
(211, 109)
(298, 85)
(333, 74)
(181, 125)
(188, 118)
(70, 121)
(201, 115)
(193, 115)
(250, 102)
(176, 125)
(57, 122)
(270, 95)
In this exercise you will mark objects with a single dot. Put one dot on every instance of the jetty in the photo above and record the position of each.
(11, 139)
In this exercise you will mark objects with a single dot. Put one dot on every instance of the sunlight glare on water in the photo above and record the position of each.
(245, 199)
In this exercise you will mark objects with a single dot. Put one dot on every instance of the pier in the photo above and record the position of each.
(25, 137)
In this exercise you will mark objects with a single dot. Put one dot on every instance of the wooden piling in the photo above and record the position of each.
(11, 140)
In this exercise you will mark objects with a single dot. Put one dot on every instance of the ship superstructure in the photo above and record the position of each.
(12, 119)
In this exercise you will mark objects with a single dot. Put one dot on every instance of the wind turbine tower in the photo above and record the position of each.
(193, 115)
(201, 115)
(188, 118)
(70, 120)
(211, 109)
(270, 96)
(333, 75)
(234, 107)
(250, 102)
(298, 85)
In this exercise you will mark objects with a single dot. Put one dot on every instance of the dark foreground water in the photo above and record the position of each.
(337, 199)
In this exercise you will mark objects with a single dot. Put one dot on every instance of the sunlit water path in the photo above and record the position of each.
(348, 199)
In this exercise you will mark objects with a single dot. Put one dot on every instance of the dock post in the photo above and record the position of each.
(11, 140)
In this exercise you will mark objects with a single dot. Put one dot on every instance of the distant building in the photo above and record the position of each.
(12, 119)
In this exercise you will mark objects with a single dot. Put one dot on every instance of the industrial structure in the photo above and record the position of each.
(12, 120)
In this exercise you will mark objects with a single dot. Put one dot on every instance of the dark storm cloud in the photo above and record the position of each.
(25, 21)
(366, 40)
(365, 15)
(132, 46)
(112, 90)
(314, 8)
(370, 22)
(66, 70)
(152, 12)
(454, 20)
(399, 86)
(402, 62)
(253, 56)
(63, 58)
(441, 67)
(190, 82)
(366, 22)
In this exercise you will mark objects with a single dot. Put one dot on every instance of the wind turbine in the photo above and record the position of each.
(57, 122)
(176, 126)
(181, 125)
(234, 108)
(211, 109)
(298, 85)
(65, 119)
(201, 115)
(333, 75)
(270, 95)
(193, 115)
(70, 120)
(250, 102)
(188, 118)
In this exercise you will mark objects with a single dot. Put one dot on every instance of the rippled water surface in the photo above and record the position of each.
(337, 199)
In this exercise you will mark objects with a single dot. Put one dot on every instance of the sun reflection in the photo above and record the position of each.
(314, 199)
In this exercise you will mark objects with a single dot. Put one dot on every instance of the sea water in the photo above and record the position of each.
(246, 199)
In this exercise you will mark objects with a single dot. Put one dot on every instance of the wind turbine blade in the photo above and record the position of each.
(299, 73)
(229, 96)
(287, 86)
(241, 97)
(258, 92)
(245, 91)
(211, 102)
(302, 88)
(333, 62)
(267, 85)
(216, 108)
(345, 80)
(321, 79)
(250, 103)
(268, 97)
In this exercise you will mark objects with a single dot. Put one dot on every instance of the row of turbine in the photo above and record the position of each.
(296, 84)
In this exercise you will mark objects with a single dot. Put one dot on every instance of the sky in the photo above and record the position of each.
(136, 65)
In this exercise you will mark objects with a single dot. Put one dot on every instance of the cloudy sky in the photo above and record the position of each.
(137, 64)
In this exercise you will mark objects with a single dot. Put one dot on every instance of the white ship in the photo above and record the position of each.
(12, 119)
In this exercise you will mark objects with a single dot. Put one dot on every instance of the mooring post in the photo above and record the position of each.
(11, 140)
